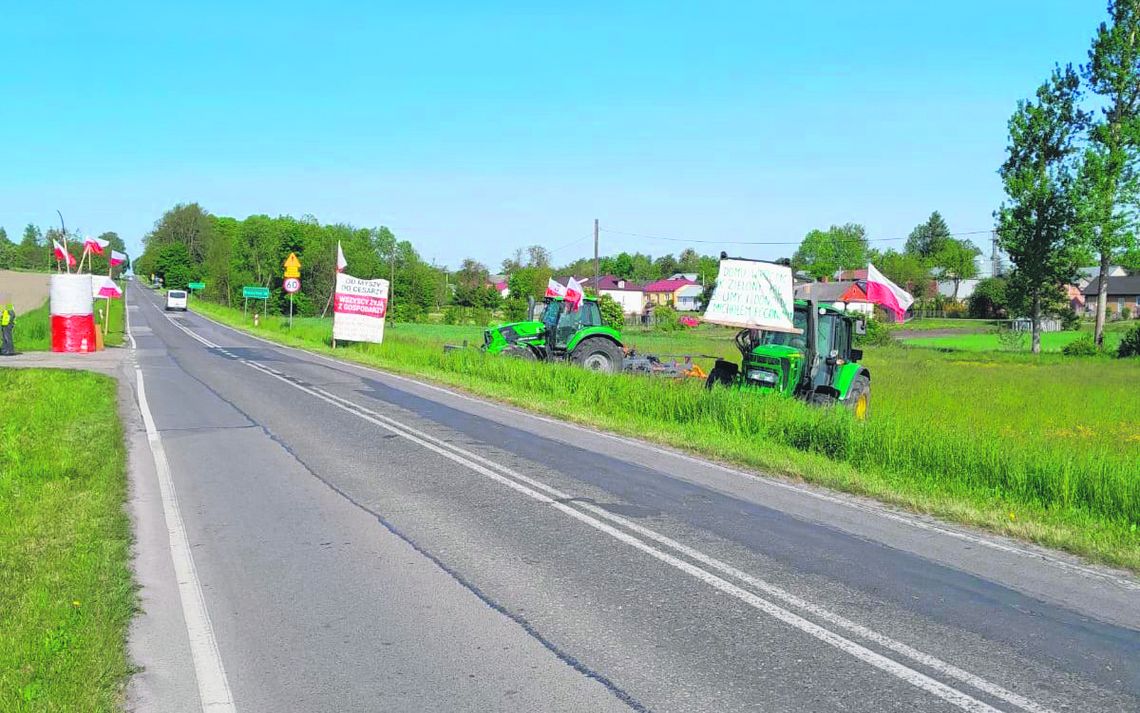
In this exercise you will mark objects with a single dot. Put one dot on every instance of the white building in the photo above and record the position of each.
(630, 295)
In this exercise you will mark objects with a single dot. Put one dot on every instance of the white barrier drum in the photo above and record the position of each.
(72, 316)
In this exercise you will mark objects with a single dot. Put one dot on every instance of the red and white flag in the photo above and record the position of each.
(574, 292)
(117, 258)
(341, 263)
(94, 245)
(887, 294)
(61, 253)
(103, 286)
(554, 288)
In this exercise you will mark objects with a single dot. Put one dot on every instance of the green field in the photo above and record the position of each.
(66, 593)
(992, 342)
(33, 329)
(1045, 448)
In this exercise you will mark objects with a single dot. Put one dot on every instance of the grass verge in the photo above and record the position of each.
(977, 467)
(66, 591)
(32, 332)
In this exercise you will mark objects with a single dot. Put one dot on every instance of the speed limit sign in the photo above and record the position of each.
(292, 284)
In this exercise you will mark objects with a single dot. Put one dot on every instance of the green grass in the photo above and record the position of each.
(66, 592)
(978, 325)
(1045, 448)
(1050, 341)
(32, 332)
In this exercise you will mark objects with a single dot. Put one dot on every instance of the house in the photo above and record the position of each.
(848, 275)
(689, 298)
(664, 292)
(1123, 291)
(965, 288)
(692, 276)
(630, 295)
(1085, 275)
(847, 292)
(499, 282)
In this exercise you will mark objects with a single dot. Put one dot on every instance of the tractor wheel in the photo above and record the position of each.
(723, 373)
(598, 354)
(821, 398)
(519, 352)
(859, 397)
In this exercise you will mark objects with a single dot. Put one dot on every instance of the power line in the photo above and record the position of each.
(572, 244)
(753, 242)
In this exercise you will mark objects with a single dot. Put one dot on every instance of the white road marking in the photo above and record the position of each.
(213, 686)
(553, 497)
(869, 508)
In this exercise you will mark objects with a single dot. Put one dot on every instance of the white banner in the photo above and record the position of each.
(359, 308)
(753, 295)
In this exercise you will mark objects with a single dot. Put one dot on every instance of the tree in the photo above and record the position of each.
(957, 261)
(611, 311)
(906, 269)
(7, 250)
(927, 239)
(623, 265)
(840, 247)
(1035, 222)
(537, 256)
(32, 253)
(186, 223)
(99, 263)
(1109, 169)
(988, 300)
(689, 261)
(666, 265)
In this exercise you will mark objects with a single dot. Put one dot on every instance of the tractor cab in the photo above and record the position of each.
(559, 330)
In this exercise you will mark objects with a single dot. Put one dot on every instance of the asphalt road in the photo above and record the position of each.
(365, 542)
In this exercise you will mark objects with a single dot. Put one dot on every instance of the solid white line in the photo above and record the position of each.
(909, 675)
(868, 508)
(213, 686)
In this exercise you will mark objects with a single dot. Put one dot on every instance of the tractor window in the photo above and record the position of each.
(798, 341)
(843, 338)
(568, 323)
(590, 316)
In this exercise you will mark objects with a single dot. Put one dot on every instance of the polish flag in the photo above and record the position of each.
(94, 245)
(341, 263)
(574, 292)
(887, 294)
(554, 288)
(103, 286)
(117, 258)
(61, 253)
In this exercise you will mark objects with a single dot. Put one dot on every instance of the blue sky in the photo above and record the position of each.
(475, 128)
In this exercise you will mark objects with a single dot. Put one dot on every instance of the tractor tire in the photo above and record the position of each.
(598, 354)
(519, 352)
(723, 374)
(859, 397)
(822, 399)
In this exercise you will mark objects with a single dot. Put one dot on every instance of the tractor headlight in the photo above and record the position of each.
(762, 377)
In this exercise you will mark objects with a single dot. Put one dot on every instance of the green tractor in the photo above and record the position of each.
(561, 333)
(819, 365)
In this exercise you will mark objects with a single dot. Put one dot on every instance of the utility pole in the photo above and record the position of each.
(995, 260)
(597, 276)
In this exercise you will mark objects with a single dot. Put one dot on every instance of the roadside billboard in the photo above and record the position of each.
(753, 295)
(359, 308)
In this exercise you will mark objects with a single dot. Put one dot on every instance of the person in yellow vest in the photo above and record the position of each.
(7, 323)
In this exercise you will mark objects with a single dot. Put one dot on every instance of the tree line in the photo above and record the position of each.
(34, 250)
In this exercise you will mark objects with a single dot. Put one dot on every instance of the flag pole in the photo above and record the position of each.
(107, 322)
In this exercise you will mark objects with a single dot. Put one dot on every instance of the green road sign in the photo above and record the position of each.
(197, 285)
(255, 293)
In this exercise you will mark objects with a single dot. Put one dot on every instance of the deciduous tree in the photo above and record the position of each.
(1035, 223)
(1107, 217)
(824, 252)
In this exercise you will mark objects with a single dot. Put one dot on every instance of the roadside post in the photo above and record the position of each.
(253, 292)
(292, 282)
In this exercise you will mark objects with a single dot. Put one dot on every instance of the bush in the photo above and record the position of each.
(514, 309)
(665, 318)
(955, 310)
(878, 335)
(1083, 346)
(1130, 345)
(1070, 320)
(612, 314)
(481, 316)
(988, 300)
(1012, 340)
(452, 314)
(1126, 313)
